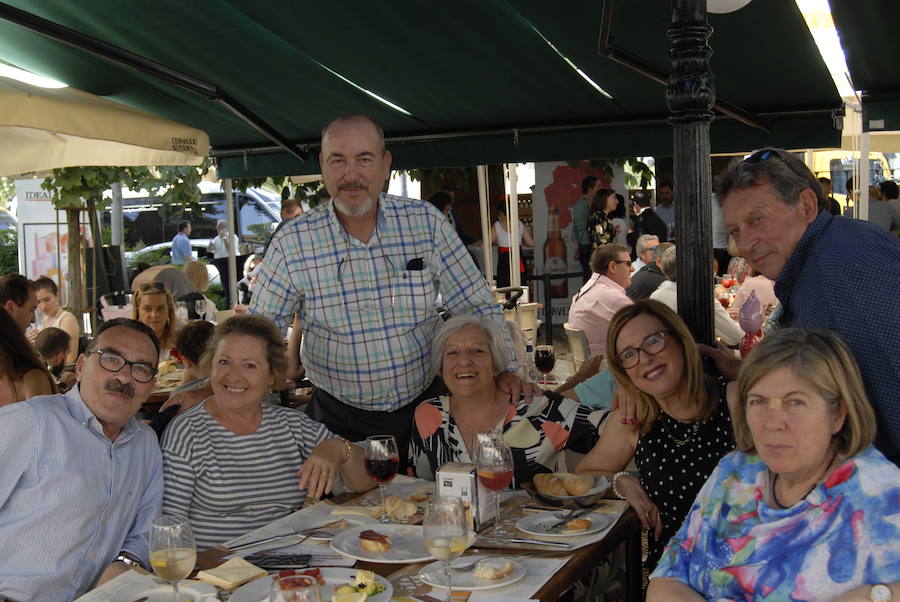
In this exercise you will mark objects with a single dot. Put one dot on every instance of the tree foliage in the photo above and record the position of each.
(637, 173)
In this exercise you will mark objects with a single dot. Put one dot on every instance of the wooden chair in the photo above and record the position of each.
(578, 345)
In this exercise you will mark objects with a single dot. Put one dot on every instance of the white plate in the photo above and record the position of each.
(258, 589)
(433, 575)
(145, 586)
(407, 544)
(537, 524)
(352, 521)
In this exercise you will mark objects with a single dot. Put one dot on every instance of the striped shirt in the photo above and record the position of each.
(70, 499)
(228, 484)
(368, 310)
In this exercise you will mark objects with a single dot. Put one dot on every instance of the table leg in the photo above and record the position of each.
(632, 583)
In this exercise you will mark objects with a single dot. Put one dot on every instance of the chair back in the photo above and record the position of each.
(578, 345)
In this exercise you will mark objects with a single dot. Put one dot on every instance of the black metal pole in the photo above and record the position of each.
(690, 96)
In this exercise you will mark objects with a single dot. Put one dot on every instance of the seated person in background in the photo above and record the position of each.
(152, 305)
(248, 282)
(602, 295)
(683, 426)
(22, 372)
(232, 463)
(646, 245)
(52, 344)
(765, 291)
(198, 275)
(19, 298)
(81, 479)
(191, 344)
(806, 508)
(726, 328)
(646, 280)
(54, 316)
(468, 353)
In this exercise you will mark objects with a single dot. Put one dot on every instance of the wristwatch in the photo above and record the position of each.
(880, 593)
(133, 561)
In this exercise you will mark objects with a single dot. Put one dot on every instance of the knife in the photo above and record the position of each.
(556, 544)
(570, 517)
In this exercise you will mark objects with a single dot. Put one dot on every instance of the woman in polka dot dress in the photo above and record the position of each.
(683, 426)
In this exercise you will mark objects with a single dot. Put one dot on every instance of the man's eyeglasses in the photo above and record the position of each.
(113, 361)
(652, 344)
(621, 261)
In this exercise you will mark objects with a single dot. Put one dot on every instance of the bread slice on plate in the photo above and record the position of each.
(577, 525)
(493, 569)
(373, 541)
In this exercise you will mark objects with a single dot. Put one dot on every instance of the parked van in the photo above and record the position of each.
(256, 214)
(837, 165)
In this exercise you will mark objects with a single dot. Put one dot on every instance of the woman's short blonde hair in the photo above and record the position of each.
(167, 339)
(196, 272)
(823, 360)
(252, 326)
(695, 382)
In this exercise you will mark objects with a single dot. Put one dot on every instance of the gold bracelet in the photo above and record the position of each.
(349, 450)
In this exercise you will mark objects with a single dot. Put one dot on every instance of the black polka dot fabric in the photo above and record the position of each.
(674, 460)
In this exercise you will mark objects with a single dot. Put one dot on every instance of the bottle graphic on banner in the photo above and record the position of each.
(555, 254)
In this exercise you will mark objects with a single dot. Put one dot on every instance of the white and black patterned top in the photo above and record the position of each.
(229, 484)
(672, 473)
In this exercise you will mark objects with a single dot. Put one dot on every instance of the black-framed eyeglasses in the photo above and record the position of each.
(652, 344)
(621, 261)
(770, 153)
(112, 361)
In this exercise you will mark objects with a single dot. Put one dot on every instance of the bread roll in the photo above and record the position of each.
(374, 541)
(420, 496)
(578, 524)
(493, 569)
(548, 484)
(399, 507)
(577, 484)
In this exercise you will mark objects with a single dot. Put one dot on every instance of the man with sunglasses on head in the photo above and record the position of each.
(830, 272)
(81, 479)
(364, 271)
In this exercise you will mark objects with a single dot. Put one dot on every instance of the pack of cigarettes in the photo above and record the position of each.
(461, 480)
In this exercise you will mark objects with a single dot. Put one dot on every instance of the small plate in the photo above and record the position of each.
(433, 575)
(589, 498)
(537, 524)
(407, 544)
(258, 589)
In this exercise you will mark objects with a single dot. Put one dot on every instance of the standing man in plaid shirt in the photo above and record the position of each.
(364, 271)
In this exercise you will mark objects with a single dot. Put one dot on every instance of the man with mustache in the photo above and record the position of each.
(81, 479)
(364, 271)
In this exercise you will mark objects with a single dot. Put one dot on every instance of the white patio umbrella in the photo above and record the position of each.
(44, 128)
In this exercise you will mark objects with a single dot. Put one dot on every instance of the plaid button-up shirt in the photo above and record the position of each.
(369, 310)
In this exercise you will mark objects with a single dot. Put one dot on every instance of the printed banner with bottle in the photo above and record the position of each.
(557, 187)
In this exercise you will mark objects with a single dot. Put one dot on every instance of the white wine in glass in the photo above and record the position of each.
(173, 553)
(446, 531)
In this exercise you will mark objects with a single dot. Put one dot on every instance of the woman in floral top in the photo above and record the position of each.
(468, 353)
(600, 226)
(806, 508)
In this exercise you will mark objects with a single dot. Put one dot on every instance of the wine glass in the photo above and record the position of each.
(173, 553)
(298, 588)
(494, 460)
(382, 461)
(446, 531)
(200, 308)
(544, 359)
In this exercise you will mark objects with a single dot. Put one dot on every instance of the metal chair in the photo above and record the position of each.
(578, 345)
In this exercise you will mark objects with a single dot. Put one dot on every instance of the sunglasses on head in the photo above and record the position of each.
(152, 286)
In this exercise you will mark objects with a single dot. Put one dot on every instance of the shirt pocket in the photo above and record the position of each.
(414, 296)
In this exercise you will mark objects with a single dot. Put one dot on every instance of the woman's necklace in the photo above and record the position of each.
(775, 480)
(695, 427)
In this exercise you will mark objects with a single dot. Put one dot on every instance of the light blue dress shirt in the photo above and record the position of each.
(181, 249)
(70, 499)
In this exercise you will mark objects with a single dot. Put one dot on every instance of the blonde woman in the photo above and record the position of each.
(153, 306)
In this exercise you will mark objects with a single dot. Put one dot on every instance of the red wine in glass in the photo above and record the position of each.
(495, 478)
(382, 471)
(544, 359)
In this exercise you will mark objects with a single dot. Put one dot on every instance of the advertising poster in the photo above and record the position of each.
(557, 186)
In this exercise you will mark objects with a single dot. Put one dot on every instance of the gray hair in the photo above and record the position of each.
(353, 119)
(669, 266)
(221, 224)
(490, 328)
(642, 241)
(661, 249)
(787, 174)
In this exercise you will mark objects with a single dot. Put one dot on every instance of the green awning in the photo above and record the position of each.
(483, 81)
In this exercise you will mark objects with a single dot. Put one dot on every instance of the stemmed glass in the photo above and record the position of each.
(382, 461)
(544, 359)
(173, 553)
(446, 531)
(294, 589)
(493, 459)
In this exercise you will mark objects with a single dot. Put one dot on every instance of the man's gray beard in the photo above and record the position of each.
(357, 211)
